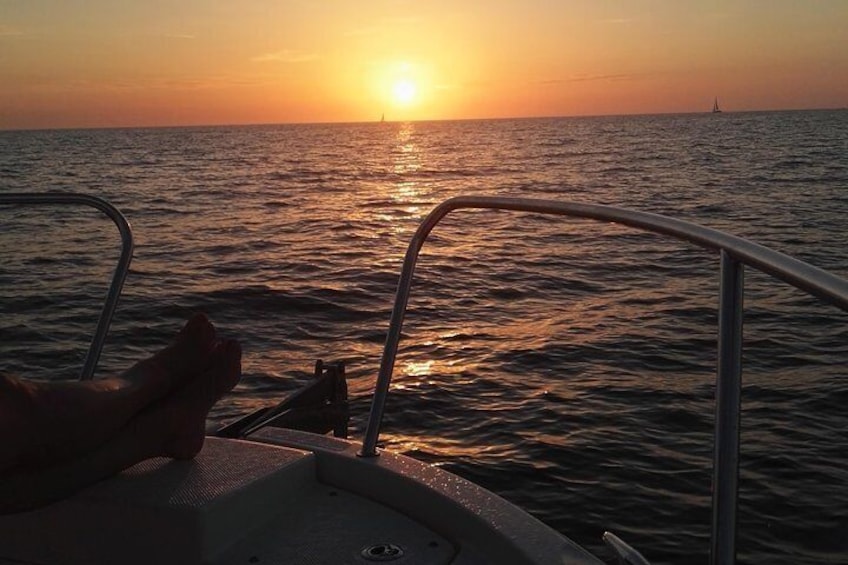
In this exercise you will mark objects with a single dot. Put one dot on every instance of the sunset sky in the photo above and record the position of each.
(92, 63)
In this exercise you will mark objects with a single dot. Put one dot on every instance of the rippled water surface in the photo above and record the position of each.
(567, 365)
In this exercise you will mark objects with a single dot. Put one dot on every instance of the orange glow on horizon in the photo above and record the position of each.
(215, 62)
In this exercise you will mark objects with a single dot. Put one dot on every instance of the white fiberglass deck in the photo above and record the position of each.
(306, 499)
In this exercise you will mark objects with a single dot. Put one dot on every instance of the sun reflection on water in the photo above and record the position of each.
(418, 368)
(408, 162)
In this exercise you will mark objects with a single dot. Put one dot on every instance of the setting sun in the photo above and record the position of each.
(403, 92)
(406, 89)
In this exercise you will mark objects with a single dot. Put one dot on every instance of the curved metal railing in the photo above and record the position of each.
(121, 270)
(734, 251)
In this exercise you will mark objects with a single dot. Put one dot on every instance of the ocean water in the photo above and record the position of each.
(565, 364)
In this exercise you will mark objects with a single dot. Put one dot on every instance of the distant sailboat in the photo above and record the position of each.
(716, 109)
(383, 118)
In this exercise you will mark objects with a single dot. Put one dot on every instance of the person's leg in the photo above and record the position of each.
(46, 422)
(171, 427)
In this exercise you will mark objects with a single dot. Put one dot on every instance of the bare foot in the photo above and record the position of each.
(57, 421)
(183, 359)
(175, 426)
(172, 427)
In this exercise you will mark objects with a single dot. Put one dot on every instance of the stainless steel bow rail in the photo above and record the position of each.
(120, 274)
(735, 252)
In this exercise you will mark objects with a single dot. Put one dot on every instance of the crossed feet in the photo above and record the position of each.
(56, 438)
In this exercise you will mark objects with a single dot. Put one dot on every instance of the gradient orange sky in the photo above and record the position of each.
(93, 63)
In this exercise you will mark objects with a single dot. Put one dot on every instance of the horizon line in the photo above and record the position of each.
(378, 121)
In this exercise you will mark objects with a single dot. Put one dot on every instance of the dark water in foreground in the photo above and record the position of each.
(564, 364)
